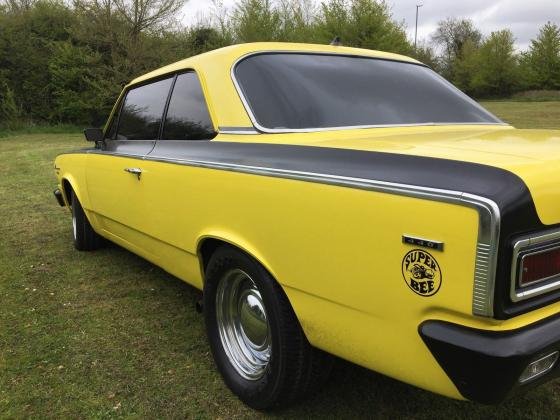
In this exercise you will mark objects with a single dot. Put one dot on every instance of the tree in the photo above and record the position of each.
(256, 20)
(452, 35)
(26, 45)
(497, 65)
(204, 38)
(72, 68)
(426, 54)
(19, 5)
(465, 67)
(363, 24)
(298, 20)
(543, 58)
(9, 111)
(145, 15)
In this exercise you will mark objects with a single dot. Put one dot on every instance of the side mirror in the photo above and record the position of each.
(94, 134)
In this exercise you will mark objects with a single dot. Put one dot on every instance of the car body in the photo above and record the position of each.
(398, 244)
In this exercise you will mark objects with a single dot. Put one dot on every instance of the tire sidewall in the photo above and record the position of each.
(77, 218)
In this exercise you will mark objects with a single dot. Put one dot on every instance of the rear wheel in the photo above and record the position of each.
(255, 337)
(85, 238)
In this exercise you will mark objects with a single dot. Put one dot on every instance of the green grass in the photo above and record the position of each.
(526, 114)
(25, 128)
(107, 334)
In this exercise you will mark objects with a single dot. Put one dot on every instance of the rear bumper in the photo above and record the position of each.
(59, 198)
(485, 366)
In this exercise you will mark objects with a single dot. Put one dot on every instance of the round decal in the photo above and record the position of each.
(421, 272)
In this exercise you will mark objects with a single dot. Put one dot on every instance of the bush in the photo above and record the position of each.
(9, 111)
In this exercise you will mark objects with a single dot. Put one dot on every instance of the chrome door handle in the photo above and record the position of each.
(134, 171)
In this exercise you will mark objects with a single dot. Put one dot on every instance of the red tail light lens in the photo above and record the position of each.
(539, 266)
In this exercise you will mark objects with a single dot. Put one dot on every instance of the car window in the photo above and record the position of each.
(142, 111)
(305, 91)
(187, 116)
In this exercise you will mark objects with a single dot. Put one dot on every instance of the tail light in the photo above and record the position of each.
(539, 266)
(536, 266)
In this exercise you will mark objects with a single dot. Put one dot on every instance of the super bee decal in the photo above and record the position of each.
(421, 272)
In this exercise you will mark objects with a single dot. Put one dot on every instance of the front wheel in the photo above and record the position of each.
(255, 337)
(85, 238)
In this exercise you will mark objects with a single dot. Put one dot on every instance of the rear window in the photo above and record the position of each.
(287, 91)
(142, 111)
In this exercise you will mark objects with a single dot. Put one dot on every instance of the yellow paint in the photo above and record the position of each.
(336, 251)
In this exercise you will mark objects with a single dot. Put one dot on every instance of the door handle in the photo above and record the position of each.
(134, 171)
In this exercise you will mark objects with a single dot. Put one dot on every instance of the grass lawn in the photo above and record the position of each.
(527, 114)
(107, 334)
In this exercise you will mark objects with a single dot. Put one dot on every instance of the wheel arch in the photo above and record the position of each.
(69, 186)
(66, 191)
(208, 243)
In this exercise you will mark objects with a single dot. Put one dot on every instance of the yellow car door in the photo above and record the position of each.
(115, 173)
(170, 188)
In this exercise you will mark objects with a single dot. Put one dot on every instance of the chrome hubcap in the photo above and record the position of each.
(74, 228)
(243, 324)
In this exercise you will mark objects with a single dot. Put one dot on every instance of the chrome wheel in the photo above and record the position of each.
(242, 324)
(74, 225)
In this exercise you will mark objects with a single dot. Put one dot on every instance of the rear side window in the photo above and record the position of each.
(187, 116)
(142, 111)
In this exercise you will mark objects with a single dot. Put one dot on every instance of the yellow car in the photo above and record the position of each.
(334, 201)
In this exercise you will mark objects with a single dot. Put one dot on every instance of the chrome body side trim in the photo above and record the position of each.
(488, 212)
(263, 129)
(523, 248)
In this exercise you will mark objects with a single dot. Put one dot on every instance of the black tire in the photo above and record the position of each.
(295, 368)
(85, 238)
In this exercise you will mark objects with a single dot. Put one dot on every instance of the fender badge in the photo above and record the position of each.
(421, 272)
(426, 243)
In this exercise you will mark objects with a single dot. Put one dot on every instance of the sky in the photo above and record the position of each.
(523, 17)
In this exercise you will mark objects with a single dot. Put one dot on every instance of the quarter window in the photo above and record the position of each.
(142, 111)
(187, 116)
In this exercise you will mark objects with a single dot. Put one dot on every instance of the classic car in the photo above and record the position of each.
(334, 201)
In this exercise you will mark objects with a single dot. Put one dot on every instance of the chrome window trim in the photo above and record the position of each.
(237, 130)
(533, 289)
(263, 129)
(488, 212)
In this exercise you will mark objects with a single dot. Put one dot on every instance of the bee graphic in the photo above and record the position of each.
(420, 272)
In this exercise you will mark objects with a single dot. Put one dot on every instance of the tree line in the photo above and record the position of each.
(66, 62)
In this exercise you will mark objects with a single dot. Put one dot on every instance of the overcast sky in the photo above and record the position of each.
(523, 17)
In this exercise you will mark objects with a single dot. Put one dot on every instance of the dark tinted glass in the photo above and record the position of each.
(142, 111)
(295, 91)
(187, 116)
